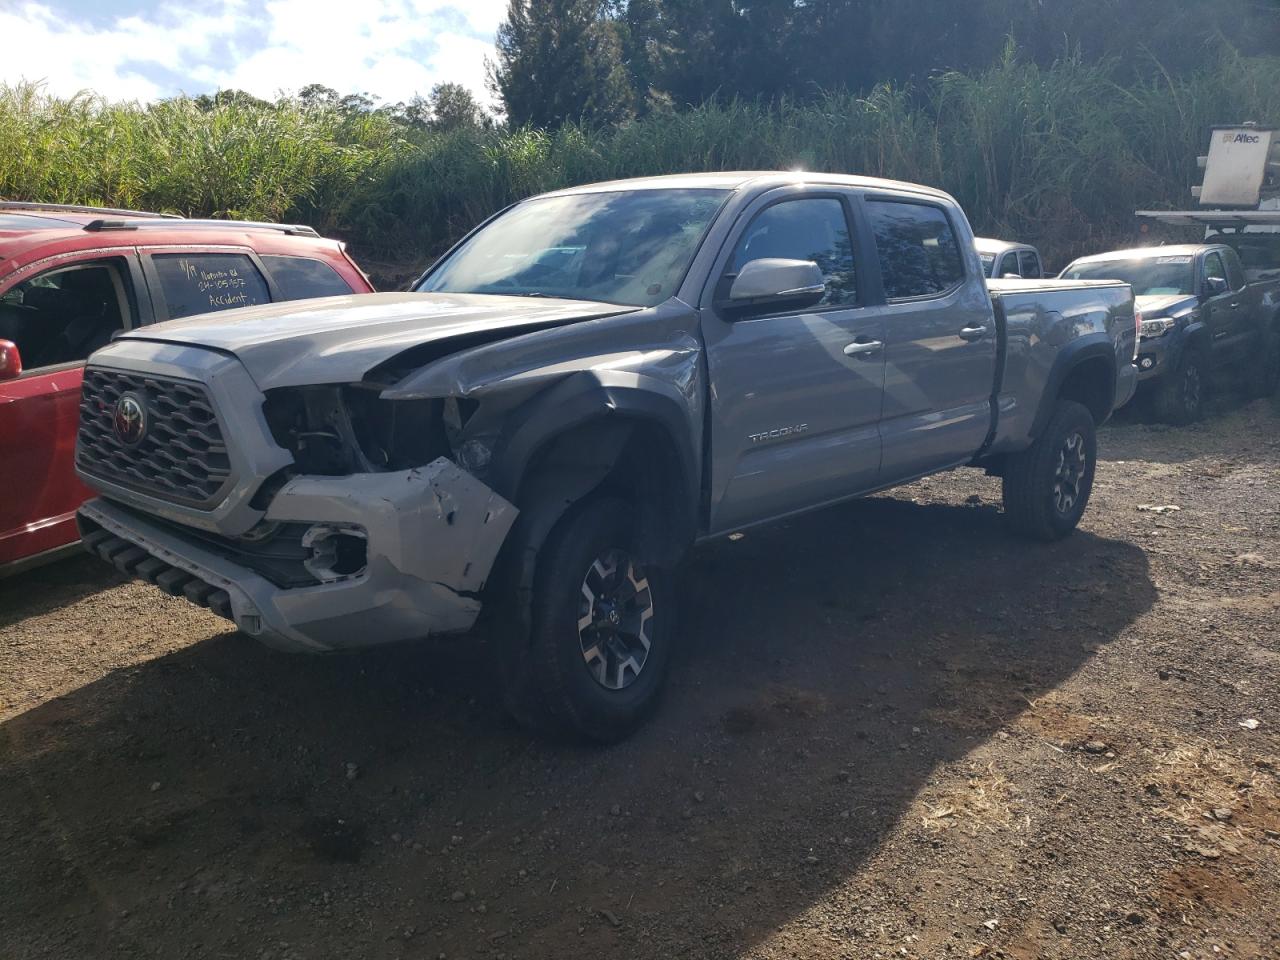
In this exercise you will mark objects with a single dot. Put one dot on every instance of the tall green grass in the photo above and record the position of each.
(1058, 155)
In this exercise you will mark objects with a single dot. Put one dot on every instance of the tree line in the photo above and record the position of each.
(608, 61)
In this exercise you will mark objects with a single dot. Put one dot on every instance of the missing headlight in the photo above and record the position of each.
(339, 430)
(396, 434)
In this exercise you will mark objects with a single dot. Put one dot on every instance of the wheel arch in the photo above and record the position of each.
(1084, 371)
(589, 433)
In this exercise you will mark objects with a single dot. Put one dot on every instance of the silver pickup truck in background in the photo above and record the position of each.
(1003, 259)
(587, 385)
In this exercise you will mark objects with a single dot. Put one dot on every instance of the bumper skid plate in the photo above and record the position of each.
(137, 562)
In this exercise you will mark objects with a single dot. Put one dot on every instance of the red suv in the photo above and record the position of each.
(70, 278)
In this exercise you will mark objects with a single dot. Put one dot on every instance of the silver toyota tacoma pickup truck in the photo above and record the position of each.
(587, 385)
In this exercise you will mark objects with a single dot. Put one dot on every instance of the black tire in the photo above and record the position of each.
(606, 698)
(1179, 396)
(1263, 377)
(1047, 487)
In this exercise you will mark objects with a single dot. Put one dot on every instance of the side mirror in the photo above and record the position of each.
(10, 360)
(777, 283)
(1010, 276)
(1215, 286)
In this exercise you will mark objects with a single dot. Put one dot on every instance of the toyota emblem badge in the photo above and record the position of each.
(130, 419)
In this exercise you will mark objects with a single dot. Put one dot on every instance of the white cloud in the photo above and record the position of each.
(389, 48)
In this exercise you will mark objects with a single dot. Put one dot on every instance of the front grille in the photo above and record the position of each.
(181, 457)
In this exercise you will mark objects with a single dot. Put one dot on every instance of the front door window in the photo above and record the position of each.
(64, 315)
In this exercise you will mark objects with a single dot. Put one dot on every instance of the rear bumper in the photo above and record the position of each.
(432, 536)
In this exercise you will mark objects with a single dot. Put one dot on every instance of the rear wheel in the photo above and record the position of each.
(1047, 487)
(1179, 397)
(599, 616)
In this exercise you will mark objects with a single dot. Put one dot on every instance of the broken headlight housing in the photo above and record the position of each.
(339, 430)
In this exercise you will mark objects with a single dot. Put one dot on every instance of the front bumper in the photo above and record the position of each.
(433, 534)
(1126, 385)
(1157, 355)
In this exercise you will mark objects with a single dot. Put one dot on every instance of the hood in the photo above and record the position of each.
(339, 339)
(1165, 305)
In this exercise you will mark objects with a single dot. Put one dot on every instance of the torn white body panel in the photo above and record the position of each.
(432, 536)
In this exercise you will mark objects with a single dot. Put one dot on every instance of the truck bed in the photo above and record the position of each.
(1030, 315)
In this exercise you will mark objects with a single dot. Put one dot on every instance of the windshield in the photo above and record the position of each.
(988, 261)
(1153, 276)
(630, 247)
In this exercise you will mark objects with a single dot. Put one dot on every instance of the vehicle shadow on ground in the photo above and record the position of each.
(1233, 426)
(56, 584)
(225, 800)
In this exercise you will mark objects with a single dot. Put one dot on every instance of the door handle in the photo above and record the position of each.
(972, 333)
(862, 348)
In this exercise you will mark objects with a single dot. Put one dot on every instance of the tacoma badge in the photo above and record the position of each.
(779, 433)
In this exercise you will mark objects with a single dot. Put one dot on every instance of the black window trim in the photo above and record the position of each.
(748, 216)
(946, 213)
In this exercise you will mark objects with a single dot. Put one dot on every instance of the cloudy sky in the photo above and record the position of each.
(142, 49)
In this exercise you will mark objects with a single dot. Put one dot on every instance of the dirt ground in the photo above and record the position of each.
(892, 731)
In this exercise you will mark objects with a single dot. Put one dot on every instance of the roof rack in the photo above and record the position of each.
(1213, 218)
(77, 208)
(141, 223)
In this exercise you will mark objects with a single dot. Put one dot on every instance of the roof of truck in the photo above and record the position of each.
(1145, 253)
(990, 245)
(738, 179)
(27, 227)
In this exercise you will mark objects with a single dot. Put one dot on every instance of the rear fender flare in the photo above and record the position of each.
(1085, 349)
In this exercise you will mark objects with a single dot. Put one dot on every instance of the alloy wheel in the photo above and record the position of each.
(1073, 463)
(615, 615)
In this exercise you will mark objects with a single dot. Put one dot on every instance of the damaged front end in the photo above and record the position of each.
(380, 556)
(361, 530)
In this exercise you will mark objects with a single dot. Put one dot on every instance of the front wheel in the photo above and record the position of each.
(1047, 487)
(600, 620)
(1180, 394)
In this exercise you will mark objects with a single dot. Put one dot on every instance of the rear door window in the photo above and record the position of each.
(298, 278)
(919, 255)
(1030, 265)
(194, 283)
